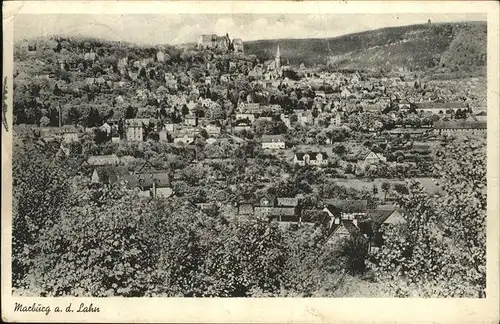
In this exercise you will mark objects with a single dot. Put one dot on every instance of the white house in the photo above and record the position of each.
(273, 142)
(310, 158)
(186, 139)
(242, 116)
(212, 130)
(337, 119)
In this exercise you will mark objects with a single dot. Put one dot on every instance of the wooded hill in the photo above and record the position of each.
(449, 45)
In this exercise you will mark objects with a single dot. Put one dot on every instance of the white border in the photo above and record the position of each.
(267, 310)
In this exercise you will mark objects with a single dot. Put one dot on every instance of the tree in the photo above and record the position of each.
(355, 250)
(101, 137)
(96, 248)
(44, 121)
(73, 116)
(40, 193)
(386, 186)
(130, 112)
(400, 188)
(93, 118)
(441, 251)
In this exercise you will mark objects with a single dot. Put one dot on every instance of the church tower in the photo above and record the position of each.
(277, 59)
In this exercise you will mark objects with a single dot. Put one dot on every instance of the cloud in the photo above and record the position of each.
(181, 28)
(223, 26)
(187, 33)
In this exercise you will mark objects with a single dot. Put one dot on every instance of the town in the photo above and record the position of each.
(241, 136)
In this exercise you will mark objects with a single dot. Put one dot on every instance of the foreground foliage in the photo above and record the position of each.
(441, 252)
(71, 237)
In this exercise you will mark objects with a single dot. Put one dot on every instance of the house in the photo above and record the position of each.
(412, 132)
(265, 118)
(184, 139)
(345, 229)
(366, 157)
(69, 134)
(146, 167)
(286, 120)
(460, 127)
(272, 142)
(245, 208)
(249, 107)
(284, 215)
(242, 125)
(404, 105)
(311, 158)
(303, 117)
(154, 184)
(90, 56)
(386, 215)
(115, 136)
(320, 94)
(225, 78)
(421, 147)
(337, 119)
(345, 93)
(169, 127)
(162, 134)
(127, 159)
(372, 158)
(337, 210)
(106, 128)
(284, 210)
(481, 116)
(439, 107)
(245, 116)
(370, 226)
(160, 57)
(213, 130)
(287, 202)
(134, 129)
(191, 120)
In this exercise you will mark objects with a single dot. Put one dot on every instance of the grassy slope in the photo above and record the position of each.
(408, 46)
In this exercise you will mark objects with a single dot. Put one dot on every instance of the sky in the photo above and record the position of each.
(183, 28)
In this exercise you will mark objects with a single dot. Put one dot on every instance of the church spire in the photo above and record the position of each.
(277, 59)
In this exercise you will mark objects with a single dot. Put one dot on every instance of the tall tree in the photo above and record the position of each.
(441, 251)
(93, 118)
(40, 193)
(385, 186)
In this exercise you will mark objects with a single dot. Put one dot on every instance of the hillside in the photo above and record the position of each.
(413, 47)
(91, 80)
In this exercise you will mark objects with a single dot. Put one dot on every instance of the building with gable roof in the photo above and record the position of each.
(460, 127)
(311, 158)
(272, 142)
(238, 45)
(135, 129)
(439, 107)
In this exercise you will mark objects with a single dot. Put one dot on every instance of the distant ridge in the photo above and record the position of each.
(461, 44)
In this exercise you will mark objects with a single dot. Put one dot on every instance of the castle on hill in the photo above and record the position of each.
(224, 43)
